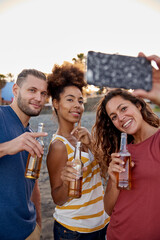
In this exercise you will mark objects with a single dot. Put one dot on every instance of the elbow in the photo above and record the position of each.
(56, 200)
(108, 211)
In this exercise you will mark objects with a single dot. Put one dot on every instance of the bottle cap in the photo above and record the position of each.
(78, 144)
(41, 124)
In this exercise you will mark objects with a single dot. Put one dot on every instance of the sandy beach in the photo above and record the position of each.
(47, 204)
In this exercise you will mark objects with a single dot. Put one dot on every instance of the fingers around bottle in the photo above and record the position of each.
(68, 174)
(29, 150)
(70, 167)
(116, 165)
(115, 155)
(116, 159)
(35, 147)
(116, 168)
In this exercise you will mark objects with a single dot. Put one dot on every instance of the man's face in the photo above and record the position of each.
(31, 95)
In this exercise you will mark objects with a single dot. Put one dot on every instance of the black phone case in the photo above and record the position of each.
(118, 71)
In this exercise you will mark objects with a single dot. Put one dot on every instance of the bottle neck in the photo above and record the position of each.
(40, 139)
(77, 153)
(40, 129)
(123, 145)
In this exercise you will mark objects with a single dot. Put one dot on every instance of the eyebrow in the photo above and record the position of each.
(70, 95)
(117, 108)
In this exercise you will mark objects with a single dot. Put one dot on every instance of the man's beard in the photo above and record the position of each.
(24, 107)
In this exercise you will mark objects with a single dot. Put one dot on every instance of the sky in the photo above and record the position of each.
(40, 33)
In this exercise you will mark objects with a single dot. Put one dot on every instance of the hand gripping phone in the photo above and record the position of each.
(118, 71)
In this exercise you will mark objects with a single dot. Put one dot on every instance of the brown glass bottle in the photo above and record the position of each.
(75, 187)
(124, 178)
(33, 165)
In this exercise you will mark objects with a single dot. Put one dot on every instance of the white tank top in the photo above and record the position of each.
(85, 214)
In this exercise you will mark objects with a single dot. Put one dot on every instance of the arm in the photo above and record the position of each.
(35, 198)
(112, 192)
(26, 141)
(110, 196)
(154, 94)
(60, 172)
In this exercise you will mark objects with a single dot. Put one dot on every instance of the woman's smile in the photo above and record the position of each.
(127, 124)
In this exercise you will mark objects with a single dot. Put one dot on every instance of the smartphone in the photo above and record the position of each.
(118, 71)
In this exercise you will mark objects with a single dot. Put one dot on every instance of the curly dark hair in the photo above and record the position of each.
(62, 76)
(106, 137)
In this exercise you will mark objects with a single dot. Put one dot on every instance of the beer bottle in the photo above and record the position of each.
(75, 187)
(124, 178)
(34, 163)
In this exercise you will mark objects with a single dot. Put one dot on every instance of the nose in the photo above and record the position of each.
(121, 117)
(77, 104)
(38, 96)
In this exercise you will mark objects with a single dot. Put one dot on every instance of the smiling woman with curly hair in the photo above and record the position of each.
(84, 217)
(106, 136)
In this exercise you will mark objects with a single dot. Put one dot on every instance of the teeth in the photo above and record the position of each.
(126, 123)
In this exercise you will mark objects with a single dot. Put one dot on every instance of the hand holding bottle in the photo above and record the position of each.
(34, 162)
(69, 173)
(75, 187)
(26, 141)
(116, 166)
(72, 173)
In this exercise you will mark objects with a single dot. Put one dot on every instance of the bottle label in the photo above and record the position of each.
(124, 178)
(32, 163)
(79, 170)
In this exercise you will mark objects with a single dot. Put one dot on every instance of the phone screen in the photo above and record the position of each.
(118, 71)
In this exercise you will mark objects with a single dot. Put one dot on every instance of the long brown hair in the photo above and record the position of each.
(106, 137)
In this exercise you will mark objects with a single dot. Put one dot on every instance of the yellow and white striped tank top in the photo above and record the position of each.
(87, 213)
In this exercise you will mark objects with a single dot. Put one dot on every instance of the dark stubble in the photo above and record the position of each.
(24, 106)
